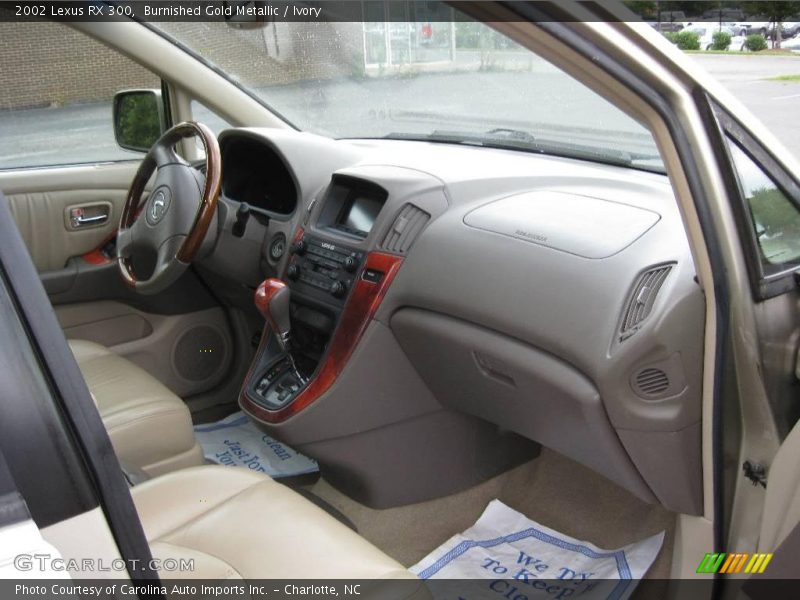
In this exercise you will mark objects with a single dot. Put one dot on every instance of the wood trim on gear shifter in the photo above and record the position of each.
(264, 294)
(359, 311)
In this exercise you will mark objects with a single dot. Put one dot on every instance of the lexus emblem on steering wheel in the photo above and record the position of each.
(158, 207)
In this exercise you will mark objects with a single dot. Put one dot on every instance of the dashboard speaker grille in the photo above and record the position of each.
(405, 229)
(642, 297)
(651, 382)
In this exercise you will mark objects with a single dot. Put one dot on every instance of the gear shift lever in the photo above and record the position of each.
(272, 301)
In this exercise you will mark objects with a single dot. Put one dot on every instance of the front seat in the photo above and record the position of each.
(237, 523)
(149, 426)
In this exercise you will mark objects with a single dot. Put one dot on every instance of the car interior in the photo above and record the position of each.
(407, 360)
(415, 367)
(436, 324)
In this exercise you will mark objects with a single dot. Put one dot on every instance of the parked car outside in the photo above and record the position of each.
(705, 33)
(666, 27)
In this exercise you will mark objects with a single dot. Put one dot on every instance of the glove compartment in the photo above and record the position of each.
(518, 387)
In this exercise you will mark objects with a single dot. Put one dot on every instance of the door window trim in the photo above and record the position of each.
(763, 286)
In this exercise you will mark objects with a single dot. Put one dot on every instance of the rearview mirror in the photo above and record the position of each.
(138, 119)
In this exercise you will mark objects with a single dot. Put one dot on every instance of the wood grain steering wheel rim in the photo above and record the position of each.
(208, 203)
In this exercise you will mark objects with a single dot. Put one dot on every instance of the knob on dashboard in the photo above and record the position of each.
(299, 248)
(293, 272)
(350, 264)
(338, 289)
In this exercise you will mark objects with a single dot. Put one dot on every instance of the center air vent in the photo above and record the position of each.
(641, 299)
(405, 229)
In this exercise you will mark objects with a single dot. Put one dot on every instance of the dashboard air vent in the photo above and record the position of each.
(405, 229)
(641, 300)
(651, 382)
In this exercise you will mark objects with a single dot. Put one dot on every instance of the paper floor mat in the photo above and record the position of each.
(237, 442)
(505, 550)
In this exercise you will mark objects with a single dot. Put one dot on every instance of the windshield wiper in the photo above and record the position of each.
(495, 138)
(512, 134)
(517, 139)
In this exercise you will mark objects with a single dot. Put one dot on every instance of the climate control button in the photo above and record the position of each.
(338, 289)
(299, 248)
(350, 264)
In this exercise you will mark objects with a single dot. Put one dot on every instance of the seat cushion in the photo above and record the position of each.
(237, 523)
(149, 426)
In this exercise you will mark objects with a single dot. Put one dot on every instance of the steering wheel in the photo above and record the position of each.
(172, 224)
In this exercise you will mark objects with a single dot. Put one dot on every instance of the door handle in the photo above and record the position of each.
(88, 215)
(80, 220)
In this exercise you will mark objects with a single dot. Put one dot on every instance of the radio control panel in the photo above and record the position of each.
(323, 269)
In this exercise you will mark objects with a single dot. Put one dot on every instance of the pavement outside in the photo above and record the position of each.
(82, 133)
(775, 103)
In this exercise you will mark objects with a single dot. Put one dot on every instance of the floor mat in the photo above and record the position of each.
(551, 489)
(236, 442)
(506, 546)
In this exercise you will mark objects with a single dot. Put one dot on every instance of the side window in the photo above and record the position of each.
(56, 88)
(775, 219)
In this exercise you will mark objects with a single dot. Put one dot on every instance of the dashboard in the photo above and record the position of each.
(447, 294)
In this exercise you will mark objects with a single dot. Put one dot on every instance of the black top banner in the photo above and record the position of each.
(229, 10)
(257, 11)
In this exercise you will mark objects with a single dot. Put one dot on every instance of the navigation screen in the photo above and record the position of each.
(362, 214)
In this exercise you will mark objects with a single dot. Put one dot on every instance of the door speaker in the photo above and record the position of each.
(199, 353)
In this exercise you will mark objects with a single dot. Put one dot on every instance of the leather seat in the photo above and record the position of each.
(149, 426)
(237, 523)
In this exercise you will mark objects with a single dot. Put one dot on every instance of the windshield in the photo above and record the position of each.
(442, 81)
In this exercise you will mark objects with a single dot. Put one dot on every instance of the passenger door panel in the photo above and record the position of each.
(44, 221)
(40, 201)
(180, 336)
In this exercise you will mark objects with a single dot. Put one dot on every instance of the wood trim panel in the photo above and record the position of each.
(96, 257)
(359, 311)
(213, 185)
(265, 292)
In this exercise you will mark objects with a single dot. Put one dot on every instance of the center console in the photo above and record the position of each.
(336, 385)
(333, 286)
(324, 267)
